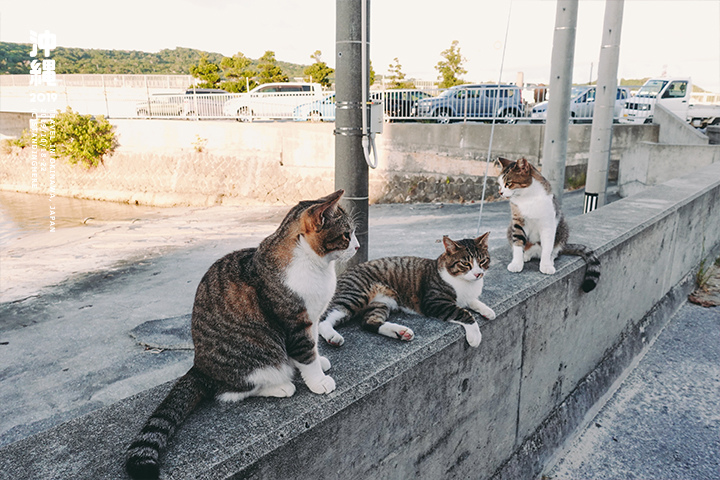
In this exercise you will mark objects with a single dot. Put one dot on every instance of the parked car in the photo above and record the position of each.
(271, 100)
(582, 105)
(204, 102)
(400, 103)
(161, 105)
(474, 101)
(318, 111)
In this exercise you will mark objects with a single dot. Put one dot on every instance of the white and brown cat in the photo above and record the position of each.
(538, 228)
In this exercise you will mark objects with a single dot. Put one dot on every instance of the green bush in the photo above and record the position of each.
(82, 138)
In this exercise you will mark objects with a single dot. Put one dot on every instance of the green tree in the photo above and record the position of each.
(206, 71)
(319, 71)
(451, 67)
(397, 77)
(81, 138)
(269, 71)
(237, 70)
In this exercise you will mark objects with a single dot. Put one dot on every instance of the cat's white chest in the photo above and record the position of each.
(466, 292)
(312, 278)
(536, 206)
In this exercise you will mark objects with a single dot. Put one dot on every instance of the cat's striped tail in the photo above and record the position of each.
(592, 272)
(142, 458)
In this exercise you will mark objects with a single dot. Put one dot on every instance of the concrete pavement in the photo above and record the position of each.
(663, 421)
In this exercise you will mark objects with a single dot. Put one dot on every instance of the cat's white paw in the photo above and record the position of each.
(515, 266)
(547, 268)
(394, 330)
(280, 391)
(324, 363)
(320, 385)
(472, 334)
(482, 309)
(330, 335)
(488, 313)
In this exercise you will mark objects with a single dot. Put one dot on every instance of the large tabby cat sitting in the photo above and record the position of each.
(254, 321)
(441, 288)
(538, 228)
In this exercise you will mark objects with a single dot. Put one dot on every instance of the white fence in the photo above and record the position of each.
(167, 96)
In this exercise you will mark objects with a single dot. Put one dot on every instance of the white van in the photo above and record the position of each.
(272, 100)
(582, 105)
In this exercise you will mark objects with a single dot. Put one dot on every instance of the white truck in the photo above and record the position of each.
(673, 94)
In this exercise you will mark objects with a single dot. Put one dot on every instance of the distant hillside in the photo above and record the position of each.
(15, 59)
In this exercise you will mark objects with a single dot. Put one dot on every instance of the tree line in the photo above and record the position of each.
(233, 74)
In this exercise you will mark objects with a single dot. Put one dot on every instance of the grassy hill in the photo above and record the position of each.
(15, 59)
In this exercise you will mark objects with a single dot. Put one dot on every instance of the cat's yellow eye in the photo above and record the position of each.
(509, 184)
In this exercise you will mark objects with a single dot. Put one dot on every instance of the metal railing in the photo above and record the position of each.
(143, 96)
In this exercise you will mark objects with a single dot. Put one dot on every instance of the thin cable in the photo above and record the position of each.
(492, 128)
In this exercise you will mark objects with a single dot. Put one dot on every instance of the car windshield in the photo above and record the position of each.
(651, 88)
(577, 91)
(448, 92)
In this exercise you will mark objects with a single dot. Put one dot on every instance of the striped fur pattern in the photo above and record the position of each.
(254, 322)
(537, 227)
(446, 288)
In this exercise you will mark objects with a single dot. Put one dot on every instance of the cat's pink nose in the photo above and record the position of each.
(478, 275)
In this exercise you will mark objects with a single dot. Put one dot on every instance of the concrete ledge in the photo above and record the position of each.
(436, 408)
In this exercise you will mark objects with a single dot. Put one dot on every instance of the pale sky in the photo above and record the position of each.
(675, 37)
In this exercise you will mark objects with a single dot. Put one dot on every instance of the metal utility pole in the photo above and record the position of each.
(558, 114)
(351, 169)
(606, 91)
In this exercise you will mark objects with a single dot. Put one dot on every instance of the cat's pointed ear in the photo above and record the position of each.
(522, 165)
(482, 240)
(317, 214)
(450, 246)
(504, 162)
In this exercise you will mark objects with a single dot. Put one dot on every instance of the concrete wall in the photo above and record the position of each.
(679, 148)
(12, 124)
(675, 130)
(647, 164)
(434, 407)
(282, 162)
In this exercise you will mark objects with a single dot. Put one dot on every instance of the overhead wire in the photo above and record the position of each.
(494, 118)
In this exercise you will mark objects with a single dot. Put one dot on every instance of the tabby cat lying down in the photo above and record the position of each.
(443, 288)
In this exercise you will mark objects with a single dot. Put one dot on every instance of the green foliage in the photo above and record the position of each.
(15, 59)
(24, 140)
(269, 71)
(81, 138)
(239, 72)
(451, 67)
(372, 74)
(573, 182)
(200, 143)
(397, 77)
(319, 71)
(206, 71)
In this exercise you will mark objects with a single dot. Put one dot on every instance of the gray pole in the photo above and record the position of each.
(351, 170)
(601, 134)
(558, 114)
